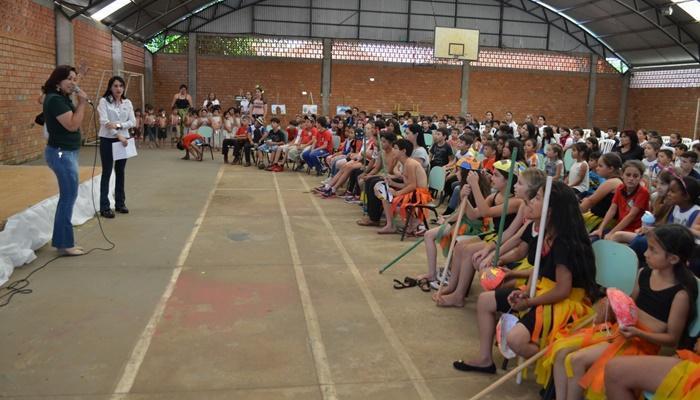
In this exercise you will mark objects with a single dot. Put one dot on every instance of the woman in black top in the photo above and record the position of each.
(182, 101)
(63, 122)
(629, 147)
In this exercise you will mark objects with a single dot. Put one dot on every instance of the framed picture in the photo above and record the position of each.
(309, 109)
(340, 110)
(279, 109)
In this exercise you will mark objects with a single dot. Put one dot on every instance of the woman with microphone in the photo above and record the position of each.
(116, 117)
(63, 119)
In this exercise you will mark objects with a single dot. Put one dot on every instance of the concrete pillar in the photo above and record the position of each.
(464, 91)
(622, 116)
(192, 67)
(64, 39)
(117, 57)
(592, 85)
(148, 76)
(326, 77)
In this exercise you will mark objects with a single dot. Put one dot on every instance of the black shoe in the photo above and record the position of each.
(122, 210)
(462, 366)
(107, 214)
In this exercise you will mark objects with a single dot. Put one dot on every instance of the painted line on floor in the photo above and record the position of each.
(318, 349)
(401, 351)
(131, 369)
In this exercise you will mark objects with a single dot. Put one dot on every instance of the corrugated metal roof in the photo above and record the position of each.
(636, 31)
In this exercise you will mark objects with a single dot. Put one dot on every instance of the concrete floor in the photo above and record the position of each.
(276, 296)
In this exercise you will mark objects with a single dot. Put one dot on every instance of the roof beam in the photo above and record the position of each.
(652, 22)
(157, 19)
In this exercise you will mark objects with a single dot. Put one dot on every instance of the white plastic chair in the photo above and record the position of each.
(606, 145)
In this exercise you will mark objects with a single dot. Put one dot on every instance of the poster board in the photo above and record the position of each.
(309, 109)
(279, 109)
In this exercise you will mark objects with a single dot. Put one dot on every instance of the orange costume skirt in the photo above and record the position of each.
(555, 320)
(683, 380)
(419, 196)
(594, 379)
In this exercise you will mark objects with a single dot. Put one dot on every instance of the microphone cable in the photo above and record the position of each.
(20, 286)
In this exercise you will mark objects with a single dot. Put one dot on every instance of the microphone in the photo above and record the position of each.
(76, 89)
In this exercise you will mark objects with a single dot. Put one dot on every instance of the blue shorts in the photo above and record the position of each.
(265, 148)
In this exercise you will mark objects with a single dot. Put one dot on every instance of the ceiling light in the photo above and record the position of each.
(109, 9)
(692, 7)
(304, 93)
(371, 79)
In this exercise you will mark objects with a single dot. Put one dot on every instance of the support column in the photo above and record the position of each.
(64, 39)
(117, 56)
(326, 77)
(148, 76)
(192, 67)
(623, 102)
(592, 85)
(464, 91)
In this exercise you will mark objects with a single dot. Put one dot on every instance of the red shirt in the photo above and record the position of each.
(242, 132)
(639, 198)
(189, 138)
(291, 134)
(487, 163)
(324, 139)
(307, 135)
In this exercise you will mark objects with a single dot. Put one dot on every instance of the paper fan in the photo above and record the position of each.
(623, 306)
(492, 277)
(505, 324)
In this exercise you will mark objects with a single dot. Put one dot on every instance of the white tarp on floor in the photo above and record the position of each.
(31, 229)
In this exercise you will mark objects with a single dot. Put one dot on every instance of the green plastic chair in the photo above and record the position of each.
(616, 265)
(436, 184)
(568, 160)
(207, 133)
(428, 137)
(541, 161)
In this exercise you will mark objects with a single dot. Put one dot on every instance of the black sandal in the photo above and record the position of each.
(408, 282)
(424, 285)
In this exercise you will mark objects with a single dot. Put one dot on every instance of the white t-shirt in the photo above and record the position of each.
(575, 170)
(421, 155)
(676, 216)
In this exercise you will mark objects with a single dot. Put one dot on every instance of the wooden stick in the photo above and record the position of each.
(540, 242)
(504, 213)
(402, 255)
(455, 230)
(517, 370)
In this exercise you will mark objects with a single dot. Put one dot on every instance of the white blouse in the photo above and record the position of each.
(122, 113)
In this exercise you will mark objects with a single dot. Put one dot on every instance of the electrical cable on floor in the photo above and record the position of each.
(20, 286)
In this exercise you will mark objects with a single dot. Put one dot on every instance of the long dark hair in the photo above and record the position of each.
(516, 144)
(565, 224)
(60, 73)
(108, 93)
(678, 240)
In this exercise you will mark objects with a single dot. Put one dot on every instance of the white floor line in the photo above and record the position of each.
(318, 349)
(139, 352)
(401, 351)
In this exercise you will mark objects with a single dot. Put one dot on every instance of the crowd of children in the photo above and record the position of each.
(631, 187)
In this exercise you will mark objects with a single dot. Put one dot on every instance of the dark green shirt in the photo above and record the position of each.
(59, 137)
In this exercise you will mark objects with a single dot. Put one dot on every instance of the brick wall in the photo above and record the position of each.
(283, 81)
(169, 72)
(663, 110)
(27, 57)
(133, 56)
(607, 101)
(93, 44)
(429, 89)
(559, 96)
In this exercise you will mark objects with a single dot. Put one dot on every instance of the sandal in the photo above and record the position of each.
(367, 222)
(424, 285)
(408, 282)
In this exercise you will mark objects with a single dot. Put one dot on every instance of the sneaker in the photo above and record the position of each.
(300, 167)
(277, 168)
(330, 193)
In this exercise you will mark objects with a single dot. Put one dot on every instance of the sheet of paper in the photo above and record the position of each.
(119, 152)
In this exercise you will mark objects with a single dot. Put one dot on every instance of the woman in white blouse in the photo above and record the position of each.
(116, 118)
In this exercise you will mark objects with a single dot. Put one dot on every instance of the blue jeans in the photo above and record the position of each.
(312, 158)
(64, 163)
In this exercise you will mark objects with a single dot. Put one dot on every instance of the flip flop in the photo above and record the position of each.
(462, 366)
(424, 285)
(363, 222)
(387, 233)
(408, 282)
